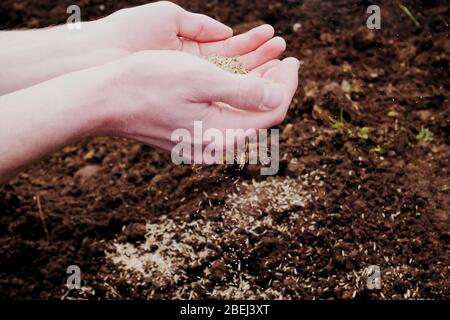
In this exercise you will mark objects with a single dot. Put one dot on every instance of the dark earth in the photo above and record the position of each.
(350, 199)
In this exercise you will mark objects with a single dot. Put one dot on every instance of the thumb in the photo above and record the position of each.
(201, 28)
(246, 92)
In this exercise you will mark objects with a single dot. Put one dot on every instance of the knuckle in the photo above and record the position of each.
(168, 6)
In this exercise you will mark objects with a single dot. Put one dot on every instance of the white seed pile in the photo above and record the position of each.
(250, 208)
(231, 64)
(163, 265)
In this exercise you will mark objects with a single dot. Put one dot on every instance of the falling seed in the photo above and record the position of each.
(296, 27)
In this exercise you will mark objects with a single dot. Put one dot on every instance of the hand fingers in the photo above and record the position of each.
(221, 118)
(247, 92)
(268, 51)
(286, 76)
(266, 67)
(240, 44)
(202, 28)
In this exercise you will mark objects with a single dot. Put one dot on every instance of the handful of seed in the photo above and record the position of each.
(230, 64)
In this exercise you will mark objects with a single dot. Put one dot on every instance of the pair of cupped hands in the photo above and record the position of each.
(162, 82)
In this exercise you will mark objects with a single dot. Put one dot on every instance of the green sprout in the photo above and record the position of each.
(365, 132)
(424, 135)
(409, 14)
(379, 150)
(338, 123)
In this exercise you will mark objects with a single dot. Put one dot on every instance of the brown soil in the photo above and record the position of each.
(139, 226)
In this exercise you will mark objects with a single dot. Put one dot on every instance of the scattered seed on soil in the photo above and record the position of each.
(178, 248)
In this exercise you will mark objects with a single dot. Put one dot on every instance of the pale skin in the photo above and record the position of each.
(137, 73)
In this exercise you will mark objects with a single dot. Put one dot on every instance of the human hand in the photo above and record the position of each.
(144, 96)
(154, 93)
(166, 26)
(156, 26)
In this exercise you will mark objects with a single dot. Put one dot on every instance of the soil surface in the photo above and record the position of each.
(344, 199)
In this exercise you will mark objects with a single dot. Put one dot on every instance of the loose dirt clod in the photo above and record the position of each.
(231, 64)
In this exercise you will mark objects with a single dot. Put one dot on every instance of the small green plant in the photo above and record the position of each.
(365, 132)
(424, 135)
(409, 14)
(379, 150)
(338, 123)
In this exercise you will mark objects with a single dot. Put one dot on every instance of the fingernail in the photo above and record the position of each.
(298, 63)
(273, 95)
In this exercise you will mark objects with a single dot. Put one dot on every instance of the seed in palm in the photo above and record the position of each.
(230, 64)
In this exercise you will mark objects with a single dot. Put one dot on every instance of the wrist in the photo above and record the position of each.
(44, 118)
(99, 110)
(93, 104)
(56, 51)
(93, 45)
